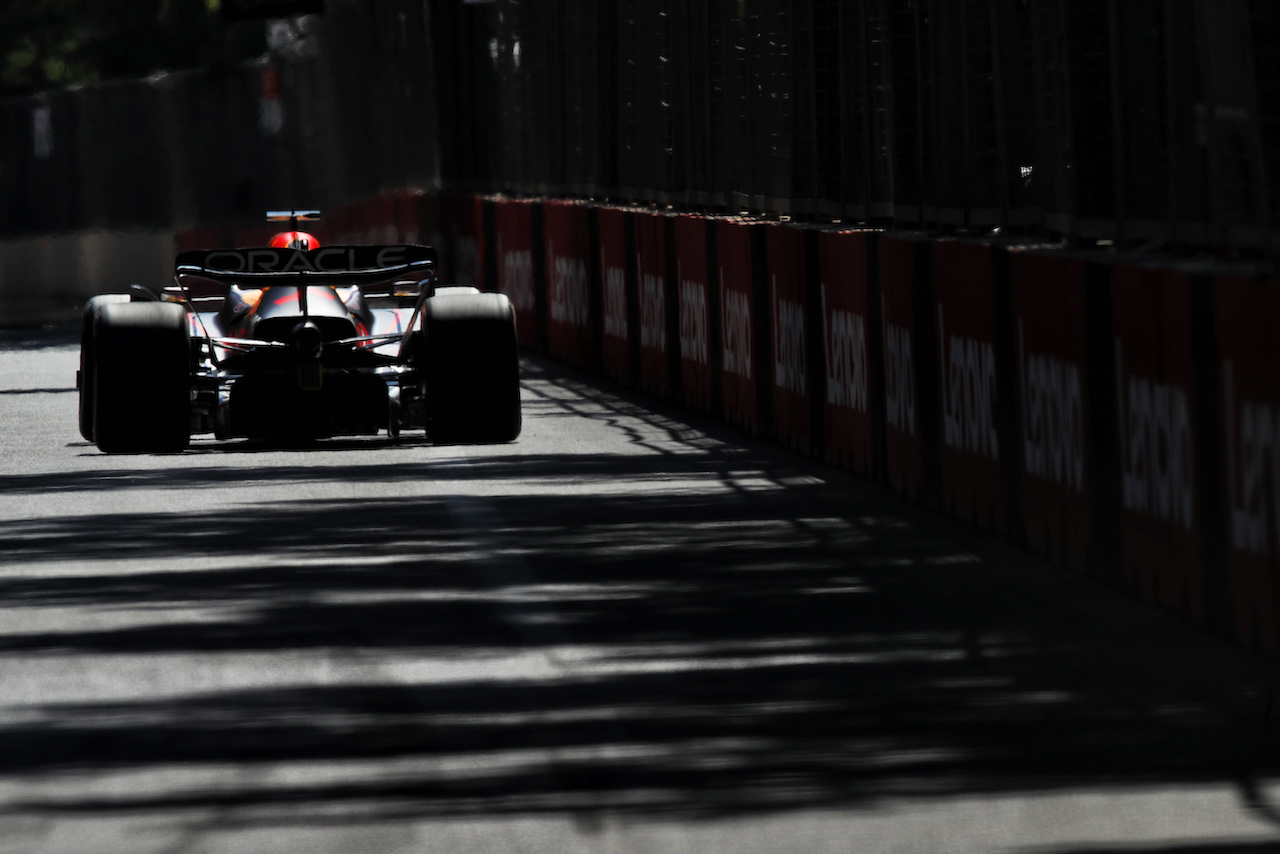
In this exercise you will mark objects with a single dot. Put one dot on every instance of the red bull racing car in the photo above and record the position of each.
(298, 341)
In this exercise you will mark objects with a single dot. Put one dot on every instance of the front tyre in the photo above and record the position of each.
(467, 355)
(141, 377)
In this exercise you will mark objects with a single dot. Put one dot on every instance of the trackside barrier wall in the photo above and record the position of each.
(80, 265)
(1249, 373)
(907, 334)
(844, 298)
(463, 254)
(1158, 463)
(734, 269)
(382, 223)
(970, 394)
(652, 289)
(431, 219)
(699, 325)
(1049, 317)
(968, 377)
(788, 364)
(348, 224)
(513, 225)
(408, 210)
(568, 258)
(615, 342)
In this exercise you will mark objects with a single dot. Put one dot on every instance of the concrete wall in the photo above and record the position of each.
(46, 279)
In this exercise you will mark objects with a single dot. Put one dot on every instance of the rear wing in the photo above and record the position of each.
(335, 265)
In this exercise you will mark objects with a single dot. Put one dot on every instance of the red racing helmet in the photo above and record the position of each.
(294, 240)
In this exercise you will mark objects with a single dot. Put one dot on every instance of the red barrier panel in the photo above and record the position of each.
(969, 394)
(842, 274)
(695, 330)
(383, 220)
(786, 266)
(568, 287)
(737, 318)
(486, 273)
(357, 223)
(615, 347)
(651, 277)
(467, 241)
(431, 221)
(340, 225)
(1049, 327)
(1246, 312)
(513, 223)
(406, 216)
(1151, 320)
(903, 446)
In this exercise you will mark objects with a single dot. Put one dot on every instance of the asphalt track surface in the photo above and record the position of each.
(629, 631)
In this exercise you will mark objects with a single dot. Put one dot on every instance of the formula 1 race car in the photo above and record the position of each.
(297, 341)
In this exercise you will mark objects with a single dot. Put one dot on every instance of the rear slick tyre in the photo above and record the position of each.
(142, 378)
(85, 376)
(468, 357)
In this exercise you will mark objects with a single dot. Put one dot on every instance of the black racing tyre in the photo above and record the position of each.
(142, 378)
(84, 376)
(467, 355)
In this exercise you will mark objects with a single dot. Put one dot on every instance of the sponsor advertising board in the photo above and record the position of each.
(1160, 523)
(569, 333)
(842, 283)
(1048, 293)
(1249, 379)
(737, 324)
(789, 362)
(969, 391)
(903, 445)
(513, 230)
(651, 282)
(696, 340)
(615, 343)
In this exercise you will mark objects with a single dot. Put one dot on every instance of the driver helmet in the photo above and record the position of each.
(294, 240)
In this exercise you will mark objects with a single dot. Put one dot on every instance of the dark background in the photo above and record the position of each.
(1139, 121)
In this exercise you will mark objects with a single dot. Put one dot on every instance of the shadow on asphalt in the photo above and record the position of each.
(771, 644)
(1224, 848)
(1242, 848)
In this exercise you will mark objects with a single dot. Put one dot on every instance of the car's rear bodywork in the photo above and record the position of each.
(287, 343)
